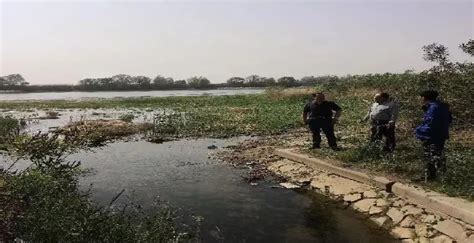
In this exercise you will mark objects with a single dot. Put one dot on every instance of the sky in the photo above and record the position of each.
(59, 42)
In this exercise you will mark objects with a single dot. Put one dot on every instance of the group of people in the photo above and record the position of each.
(320, 114)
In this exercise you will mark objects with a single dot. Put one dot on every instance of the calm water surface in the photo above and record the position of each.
(122, 94)
(181, 173)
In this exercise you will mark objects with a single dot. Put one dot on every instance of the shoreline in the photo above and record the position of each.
(404, 219)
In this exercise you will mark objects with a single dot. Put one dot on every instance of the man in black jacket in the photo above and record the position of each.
(322, 115)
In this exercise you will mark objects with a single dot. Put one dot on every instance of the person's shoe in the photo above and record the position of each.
(315, 147)
(336, 148)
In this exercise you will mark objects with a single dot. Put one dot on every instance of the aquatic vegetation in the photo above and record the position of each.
(127, 117)
(43, 202)
(99, 132)
(9, 127)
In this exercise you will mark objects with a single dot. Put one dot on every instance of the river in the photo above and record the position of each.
(122, 94)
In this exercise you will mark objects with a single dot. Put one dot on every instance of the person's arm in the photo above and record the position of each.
(394, 113)
(367, 116)
(337, 113)
(306, 110)
(425, 130)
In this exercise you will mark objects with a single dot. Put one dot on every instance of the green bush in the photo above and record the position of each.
(127, 117)
(43, 203)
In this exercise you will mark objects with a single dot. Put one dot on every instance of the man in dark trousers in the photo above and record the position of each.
(383, 114)
(433, 132)
(322, 115)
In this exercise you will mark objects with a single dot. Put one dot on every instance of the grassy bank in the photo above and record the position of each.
(407, 161)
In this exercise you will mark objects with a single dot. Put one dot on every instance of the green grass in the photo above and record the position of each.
(407, 161)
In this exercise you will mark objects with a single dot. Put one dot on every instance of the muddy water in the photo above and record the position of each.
(180, 173)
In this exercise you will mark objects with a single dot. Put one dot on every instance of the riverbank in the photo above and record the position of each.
(405, 219)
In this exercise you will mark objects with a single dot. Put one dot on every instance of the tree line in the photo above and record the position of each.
(123, 82)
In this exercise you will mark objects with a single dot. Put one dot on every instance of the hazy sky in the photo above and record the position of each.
(63, 42)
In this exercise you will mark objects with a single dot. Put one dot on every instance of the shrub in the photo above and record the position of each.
(127, 117)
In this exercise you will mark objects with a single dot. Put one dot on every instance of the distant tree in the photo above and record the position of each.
(436, 53)
(199, 82)
(122, 81)
(266, 82)
(236, 81)
(312, 80)
(180, 84)
(161, 82)
(252, 80)
(309, 80)
(287, 82)
(12, 80)
(141, 82)
(468, 47)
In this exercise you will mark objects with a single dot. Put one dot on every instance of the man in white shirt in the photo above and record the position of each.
(383, 114)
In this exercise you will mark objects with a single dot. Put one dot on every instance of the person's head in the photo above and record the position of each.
(320, 98)
(428, 96)
(385, 96)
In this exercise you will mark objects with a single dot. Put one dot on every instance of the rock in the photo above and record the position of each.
(395, 214)
(408, 241)
(370, 194)
(411, 210)
(421, 230)
(288, 185)
(399, 203)
(364, 205)
(375, 210)
(305, 180)
(429, 219)
(408, 222)
(337, 185)
(452, 229)
(275, 166)
(423, 240)
(380, 221)
(402, 233)
(382, 203)
(212, 146)
(352, 197)
(288, 168)
(470, 238)
(441, 239)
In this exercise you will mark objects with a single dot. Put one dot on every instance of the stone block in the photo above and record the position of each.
(396, 215)
(375, 210)
(408, 222)
(364, 205)
(380, 221)
(452, 229)
(402, 233)
(370, 194)
(352, 197)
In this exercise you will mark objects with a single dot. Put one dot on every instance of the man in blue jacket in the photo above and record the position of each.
(433, 132)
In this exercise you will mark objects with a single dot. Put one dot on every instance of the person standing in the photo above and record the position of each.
(433, 132)
(383, 114)
(322, 115)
